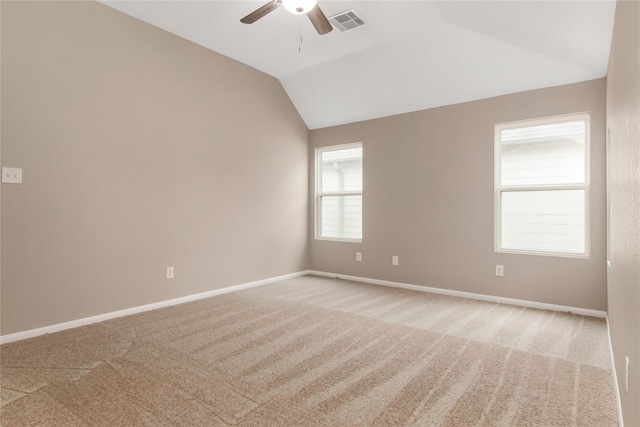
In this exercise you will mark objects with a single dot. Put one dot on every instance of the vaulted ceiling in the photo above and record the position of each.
(409, 55)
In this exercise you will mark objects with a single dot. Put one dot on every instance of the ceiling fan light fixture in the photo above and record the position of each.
(299, 7)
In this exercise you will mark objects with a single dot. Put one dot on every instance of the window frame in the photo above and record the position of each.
(500, 189)
(319, 194)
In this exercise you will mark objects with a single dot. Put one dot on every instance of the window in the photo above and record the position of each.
(339, 192)
(542, 186)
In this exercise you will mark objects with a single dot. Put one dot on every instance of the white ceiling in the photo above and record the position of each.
(410, 55)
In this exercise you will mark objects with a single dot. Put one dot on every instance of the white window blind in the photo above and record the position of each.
(542, 186)
(339, 192)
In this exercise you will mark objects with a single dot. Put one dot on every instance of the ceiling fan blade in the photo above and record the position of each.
(319, 20)
(260, 12)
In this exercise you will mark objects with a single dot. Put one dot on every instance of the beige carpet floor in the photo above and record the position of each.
(314, 351)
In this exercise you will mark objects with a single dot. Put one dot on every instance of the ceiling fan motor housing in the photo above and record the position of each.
(299, 7)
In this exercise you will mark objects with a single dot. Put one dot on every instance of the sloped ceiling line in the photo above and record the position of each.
(411, 55)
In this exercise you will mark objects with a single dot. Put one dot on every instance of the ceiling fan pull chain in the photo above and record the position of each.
(299, 36)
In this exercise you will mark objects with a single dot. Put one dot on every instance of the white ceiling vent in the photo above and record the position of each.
(347, 20)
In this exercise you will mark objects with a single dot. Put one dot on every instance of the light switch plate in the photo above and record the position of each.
(11, 175)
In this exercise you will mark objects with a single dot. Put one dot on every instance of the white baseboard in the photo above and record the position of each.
(481, 297)
(615, 376)
(126, 312)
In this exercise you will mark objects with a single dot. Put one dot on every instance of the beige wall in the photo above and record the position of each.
(1, 163)
(623, 125)
(140, 151)
(428, 198)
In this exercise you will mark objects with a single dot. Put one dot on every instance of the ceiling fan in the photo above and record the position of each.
(297, 7)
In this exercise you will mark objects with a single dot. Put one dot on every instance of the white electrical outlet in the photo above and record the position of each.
(626, 374)
(358, 256)
(169, 272)
(11, 175)
(395, 260)
(499, 270)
